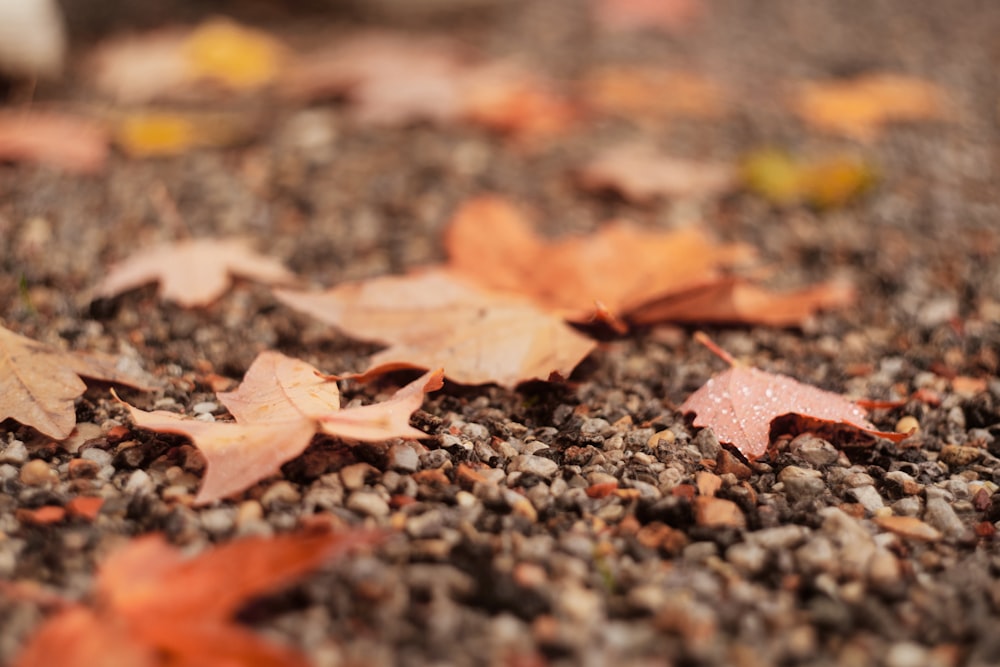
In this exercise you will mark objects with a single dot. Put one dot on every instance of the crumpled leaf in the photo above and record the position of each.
(156, 608)
(40, 383)
(72, 143)
(193, 273)
(652, 93)
(437, 319)
(823, 182)
(279, 406)
(640, 174)
(741, 404)
(179, 62)
(667, 15)
(620, 266)
(736, 301)
(860, 107)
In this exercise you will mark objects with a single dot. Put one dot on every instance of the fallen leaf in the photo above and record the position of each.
(735, 301)
(626, 15)
(437, 319)
(40, 383)
(651, 93)
(620, 266)
(740, 405)
(389, 78)
(640, 173)
(279, 406)
(186, 62)
(193, 273)
(824, 182)
(860, 107)
(155, 608)
(71, 143)
(159, 133)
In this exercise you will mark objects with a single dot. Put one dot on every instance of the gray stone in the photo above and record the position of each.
(219, 520)
(801, 483)
(779, 538)
(281, 493)
(14, 452)
(139, 483)
(205, 407)
(941, 515)
(535, 465)
(747, 557)
(707, 444)
(868, 497)
(368, 503)
(98, 456)
(814, 451)
(908, 506)
(403, 456)
(426, 525)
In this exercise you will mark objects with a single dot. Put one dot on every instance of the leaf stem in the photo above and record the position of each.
(703, 338)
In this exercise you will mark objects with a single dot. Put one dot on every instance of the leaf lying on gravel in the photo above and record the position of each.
(437, 319)
(627, 92)
(741, 404)
(158, 133)
(181, 62)
(640, 173)
(193, 273)
(40, 383)
(153, 607)
(859, 107)
(279, 406)
(824, 182)
(735, 301)
(620, 266)
(71, 143)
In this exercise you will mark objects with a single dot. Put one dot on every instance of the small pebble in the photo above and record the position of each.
(814, 451)
(99, 456)
(535, 465)
(907, 424)
(281, 493)
(403, 456)
(868, 497)
(139, 483)
(356, 475)
(368, 503)
(205, 407)
(960, 455)
(940, 514)
(14, 452)
(36, 473)
(801, 483)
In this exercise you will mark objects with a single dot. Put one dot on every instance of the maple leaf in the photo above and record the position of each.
(437, 319)
(40, 383)
(734, 301)
(620, 266)
(741, 404)
(859, 107)
(66, 142)
(640, 174)
(193, 273)
(155, 608)
(279, 406)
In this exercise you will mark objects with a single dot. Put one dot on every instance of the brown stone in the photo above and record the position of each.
(718, 512)
(726, 462)
(909, 527)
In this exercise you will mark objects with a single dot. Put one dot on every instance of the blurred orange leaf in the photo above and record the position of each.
(71, 143)
(669, 15)
(651, 93)
(860, 107)
(159, 133)
(155, 608)
(824, 182)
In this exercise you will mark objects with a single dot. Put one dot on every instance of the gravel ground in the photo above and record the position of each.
(563, 525)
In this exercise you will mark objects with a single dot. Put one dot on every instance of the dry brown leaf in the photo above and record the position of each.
(179, 62)
(155, 608)
(436, 319)
(735, 301)
(620, 266)
(651, 94)
(71, 143)
(279, 406)
(859, 107)
(640, 173)
(40, 383)
(193, 273)
(741, 404)
(668, 15)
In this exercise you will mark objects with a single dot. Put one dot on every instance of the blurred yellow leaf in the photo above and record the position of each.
(162, 133)
(826, 182)
(239, 57)
(859, 107)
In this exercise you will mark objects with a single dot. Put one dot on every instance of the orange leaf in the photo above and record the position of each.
(156, 608)
(40, 383)
(860, 107)
(734, 301)
(620, 266)
(640, 174)
(279, 406)
(66, 142)
(740, 404)
(436, 319)
(651, 93)
(668, 15)
(193, 273)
